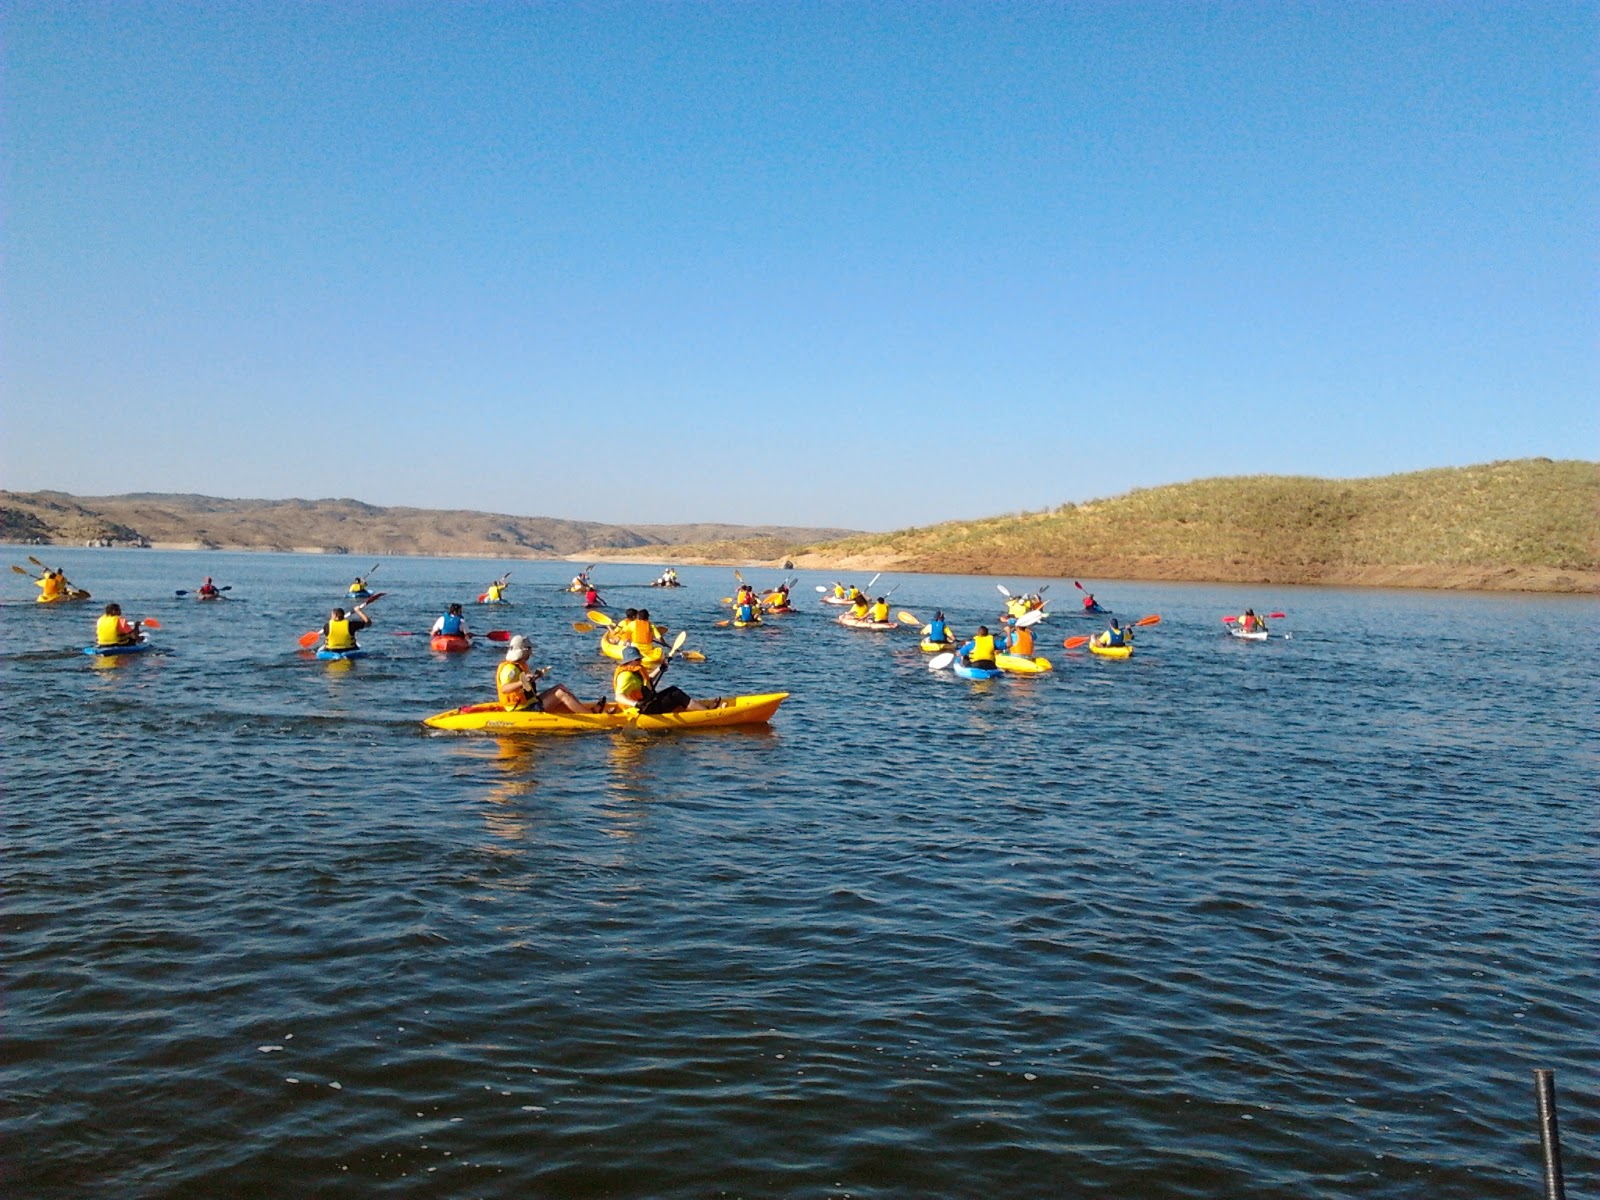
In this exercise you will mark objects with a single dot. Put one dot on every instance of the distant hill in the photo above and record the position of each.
(341, 527)
(1529, 524)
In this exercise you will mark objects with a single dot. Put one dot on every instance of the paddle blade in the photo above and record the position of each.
(150, 623)
(1077, 585)
(309, 639)
(694, 656)
(720, 624)
(940, 661)
(1032, 618)
(820, 588)
(1072, 643)
(180, 592)
(727, 600)
(18, 570)
(582, 627)
(677, 642)
(498, 635)
(1152, 619)
(1229, 620)
(1277, 616)
(1001, 588)
(906, 618)
(599, 618)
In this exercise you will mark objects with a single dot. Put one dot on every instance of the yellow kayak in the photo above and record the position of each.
(649, 655)
(1019, 665)
(936, 647)
(491, 718)
(1110, 651)
(62, 597)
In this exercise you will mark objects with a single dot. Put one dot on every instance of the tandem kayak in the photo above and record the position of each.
(491, 718)
(1018, 664)
(62, 597)
(839, 600)
(649, 655)
(138, 647)
(340, 655)
(867, 623)
(1254, 635)
(1122, 651)
(450, 643)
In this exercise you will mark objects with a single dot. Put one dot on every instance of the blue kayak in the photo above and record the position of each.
(966, 672)
(128, 648)
(340, 655)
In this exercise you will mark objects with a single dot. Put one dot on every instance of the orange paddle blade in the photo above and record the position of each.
(307, 639)
(1072, 643)
(1152, 619)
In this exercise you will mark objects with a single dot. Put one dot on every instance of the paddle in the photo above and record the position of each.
(582, 627)
(184, 592)
(652, 680)
(906, 618)
(1273, 616)
(820, 588)
(494, 635)
(1002, 590)
(1030, 618)
(940, 661)
(599, 618)
(30, 574)
(307, 639)
(872, 581)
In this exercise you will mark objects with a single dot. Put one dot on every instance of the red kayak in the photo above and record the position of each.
(451, 643)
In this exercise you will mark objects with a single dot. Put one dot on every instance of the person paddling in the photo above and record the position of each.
(938, 632)
(1250, 623)
(496, 591)
(1089, 603)
(980, 650)
(452, 623)
(208, 590)
(633, 687)
(1019, 640)
(340, 632)
(516, 685)
(591, 598)
(112, 630)
(1114, 635)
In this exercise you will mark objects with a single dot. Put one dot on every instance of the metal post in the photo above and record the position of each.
(1544, 1086)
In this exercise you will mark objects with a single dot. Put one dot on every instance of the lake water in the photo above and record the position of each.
(1296, 918)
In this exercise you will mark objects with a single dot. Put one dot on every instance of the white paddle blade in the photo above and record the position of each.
(822, 589)
(1032, 618)
(940, 661)
(1001, 588)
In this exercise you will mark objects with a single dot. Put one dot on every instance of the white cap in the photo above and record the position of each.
(518, 642)
(518, 654)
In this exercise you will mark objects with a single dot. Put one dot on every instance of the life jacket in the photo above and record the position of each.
(1113, 637)
(111, 631)
(744, 613)
(643, 634)
(776, 600)
(508, 678)
(938, 631)
(591, 597)
(880, 613)
(839, 592)
(1250, 622)
(1088, 602)
(493, 594)
(450, 625)
(982, 648)
(859, 610)
(337, 636)
(53, 586)
(358, 587)
(1022, 642)
(627, 684)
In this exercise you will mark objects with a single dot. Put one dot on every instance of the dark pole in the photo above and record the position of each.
(1544, 1085)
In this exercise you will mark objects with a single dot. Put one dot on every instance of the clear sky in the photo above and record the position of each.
(860, 264)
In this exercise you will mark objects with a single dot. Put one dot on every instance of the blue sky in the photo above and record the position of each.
(868, 265)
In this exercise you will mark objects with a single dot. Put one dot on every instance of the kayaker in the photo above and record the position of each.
(1115, 635)
(494, 593)
(1089, 604)
(745, 614)
(451, 624)
(840, 592)
(777, 598)
(632, 686)
(879, 611)
(591, 598)
(515, 685)
(340, 631)
(937, 631)
(53, 585)
(112, 630)
(980, 650)
(1251, 623)
(642, 633)
(208, 590)
(1019, 640)
(859, 607)
(359, 586)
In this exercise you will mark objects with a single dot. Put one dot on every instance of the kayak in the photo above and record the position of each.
(968, 672)
(502, 600)
(737, 624)
(837, 600)
(867, 623)
(138, 647)
(451, 643)
(62, 597)
(936, 647)
(1254, 635)
(363, 594)
(787, 608)
(1091, 612)
(649, 655)
(1110, 651)
(491, 718)
(340, 655)
(1018, 664)
(666, 585)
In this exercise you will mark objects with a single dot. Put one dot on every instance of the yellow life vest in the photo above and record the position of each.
(859, 610)
(982, 648)
(358, 587)
(880, 613)
(108, 631)
(627, 684)
(508, 677)
(493, 594)
(838, 591)
(339, 636)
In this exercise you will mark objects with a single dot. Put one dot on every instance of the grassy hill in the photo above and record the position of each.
(1529, 524)
(340, 526)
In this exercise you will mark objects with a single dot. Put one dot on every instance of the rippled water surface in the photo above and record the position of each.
(1289, 919)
